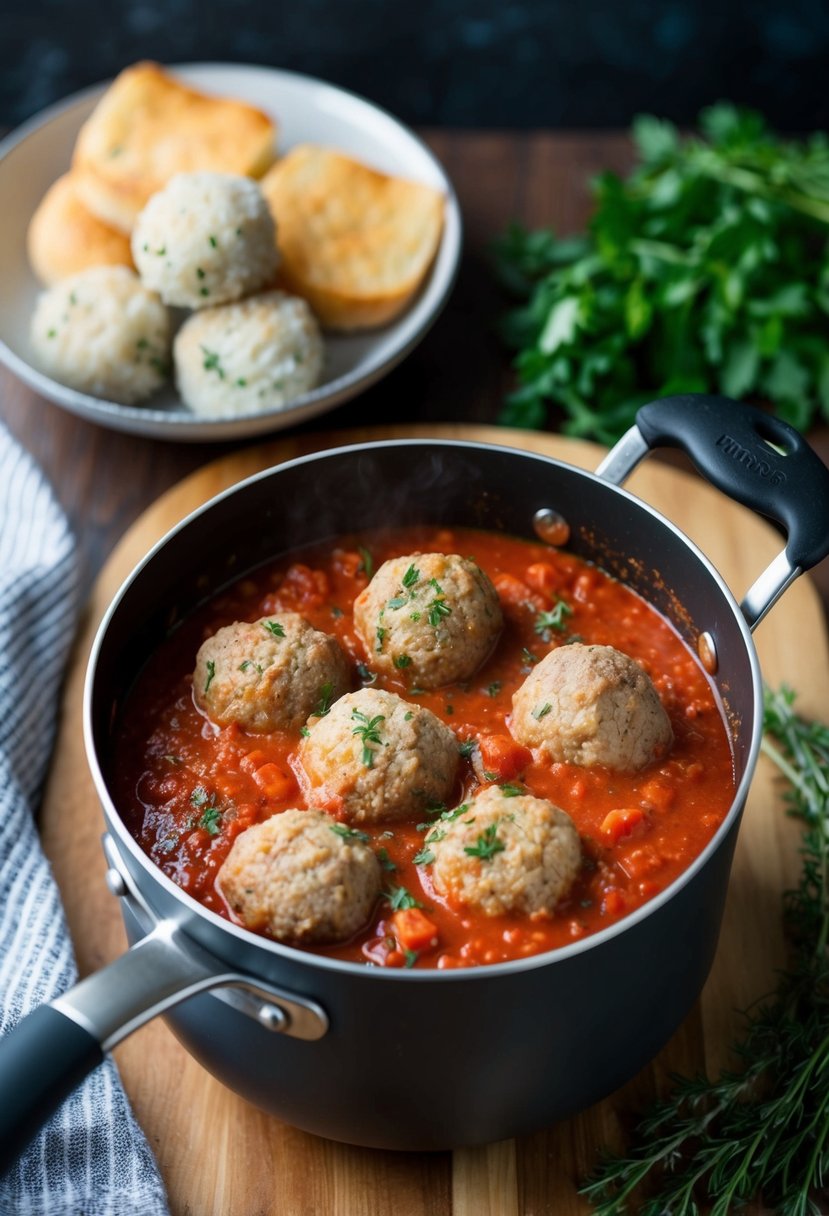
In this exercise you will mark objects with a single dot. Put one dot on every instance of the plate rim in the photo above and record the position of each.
(179, 424)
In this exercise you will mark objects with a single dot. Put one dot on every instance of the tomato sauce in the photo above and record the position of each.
(187, 788)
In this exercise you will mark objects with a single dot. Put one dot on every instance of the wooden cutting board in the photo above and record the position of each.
(220, 1156)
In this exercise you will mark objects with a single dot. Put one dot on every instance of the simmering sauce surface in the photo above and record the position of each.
(187, 788)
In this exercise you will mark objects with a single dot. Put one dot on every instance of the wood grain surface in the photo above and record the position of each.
(220, 1156)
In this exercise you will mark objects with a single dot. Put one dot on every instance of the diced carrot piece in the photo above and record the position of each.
(414, 930)
(658, 794)
(621, 823)
(272, 781)
(613, 903)
(512, 591)
(501, 757)
(253, 760)
(543, 577)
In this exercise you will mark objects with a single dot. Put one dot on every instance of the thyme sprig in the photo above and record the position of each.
(715, 1145)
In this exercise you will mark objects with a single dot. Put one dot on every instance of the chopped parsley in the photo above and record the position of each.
(304, 731)
(336, 612)
(213, 241)
(211, 813)
(415, 616)
(324, 703)
(366, 565)
(212, 359)
(433, 582)
(438, 609)
(211, 820)
(274, 628)
(384, 859)
(528, 656)
(367, 730)
(410, 577)
(407, 717)
(494, 688)
(424, 857)
(402, 660)
(487, 844)
(554, 619)
(340, 829)
(509, 790)
(366, 676)
(415, 692)
(211, 674)
(246, 665)
(541, 711)
(401, 899)
(381, 633)
(199, 272)
(466, 749)
(411, 958)
(399, 601)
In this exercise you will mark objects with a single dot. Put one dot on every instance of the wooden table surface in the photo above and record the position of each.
(460, 373)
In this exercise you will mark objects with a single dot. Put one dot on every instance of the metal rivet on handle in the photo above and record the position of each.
(707, 651)
(115, 883)
(551, 527)
(272, 1017)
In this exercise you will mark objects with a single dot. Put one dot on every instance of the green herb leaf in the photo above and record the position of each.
(410, 577)
(366, 677)
(367, 730)
(347, 833)
(466, 749)
(211, 820)
(324, 703)
(211, 673)
(423, 857)
(487, 844)
(386, 862)
(401, 899)
(399, 601)
(438, 609)
(402, 660)
(366, 565)
(494, 688)
(556, 619)
(274, 627)
(541, 711)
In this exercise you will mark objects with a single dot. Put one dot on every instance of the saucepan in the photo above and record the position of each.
(427, 1059)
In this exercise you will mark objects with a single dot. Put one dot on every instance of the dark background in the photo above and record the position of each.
(536, 63)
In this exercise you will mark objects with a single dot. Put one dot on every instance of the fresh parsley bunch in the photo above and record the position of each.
(706, 270)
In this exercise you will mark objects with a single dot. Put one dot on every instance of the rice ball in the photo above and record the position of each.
(103, 332)
(506, 855)
(300, 878)
(244, 358)
(206, 238)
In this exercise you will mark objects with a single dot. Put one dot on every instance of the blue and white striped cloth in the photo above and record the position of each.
(92, 1158)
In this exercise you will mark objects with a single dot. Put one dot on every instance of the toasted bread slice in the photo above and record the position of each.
(355, 243)
(147, 127)
(64, 238)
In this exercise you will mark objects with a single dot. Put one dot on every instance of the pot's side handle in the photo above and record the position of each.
(754, 458)
(53, 1048)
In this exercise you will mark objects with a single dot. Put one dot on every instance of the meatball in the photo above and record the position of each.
(206, 238)
(433, 616)
(260, 354)
(506, 855)
(591, 705)
(102, 331)
(376, 757)
(268, 674)
(301, 878)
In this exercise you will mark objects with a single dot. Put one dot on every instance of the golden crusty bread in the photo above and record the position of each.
(354, 242)
(148, 127)
(64, 238)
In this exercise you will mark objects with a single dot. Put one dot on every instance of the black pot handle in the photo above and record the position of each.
(53, 1048)
(41, 1062)
(754, 458)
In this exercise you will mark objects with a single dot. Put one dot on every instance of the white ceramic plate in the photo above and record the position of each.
(306, 110)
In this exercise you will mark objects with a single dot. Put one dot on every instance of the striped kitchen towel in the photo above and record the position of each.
(91, 1159)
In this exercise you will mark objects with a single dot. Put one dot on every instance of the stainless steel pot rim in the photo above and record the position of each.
(126, 841)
